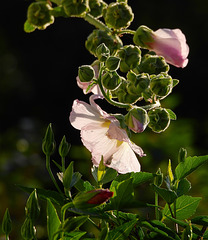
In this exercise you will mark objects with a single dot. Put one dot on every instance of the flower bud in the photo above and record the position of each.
(86, 73)
(153, 64)
(158, 180)
(182, 155)
(32, 208)
(130, 57)
(75, 8)
(142, 36)
(102, 52)
(118, 15)
(138, 84)
(64, 147)
(111, 80)
(137, 119)
(6, 223)
(112, 63)
(97, 7)
(159, 119)
(161, 85)
(28, 231)
(39, 14)
(97, 37)
(48, 144)
(92, 198)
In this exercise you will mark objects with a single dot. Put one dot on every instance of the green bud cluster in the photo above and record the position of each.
(97, 7)
(76, 8)
(39, 14)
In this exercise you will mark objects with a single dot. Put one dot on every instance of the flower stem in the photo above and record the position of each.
(97, 23)
(126, 31)
(156, 207)
(48, 167)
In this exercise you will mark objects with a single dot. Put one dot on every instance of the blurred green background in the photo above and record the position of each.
(38, 86)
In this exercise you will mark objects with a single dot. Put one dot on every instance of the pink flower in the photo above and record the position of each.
(84, 85)
(102, 135)
(171, 44)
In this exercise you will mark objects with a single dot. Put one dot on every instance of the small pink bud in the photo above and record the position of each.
(102, 196)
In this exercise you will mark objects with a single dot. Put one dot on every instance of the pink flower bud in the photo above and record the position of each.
(102, 196)
(171, 44)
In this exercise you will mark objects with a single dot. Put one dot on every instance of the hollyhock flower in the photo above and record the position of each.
(84, 85)
(169, 43)
(102, 135)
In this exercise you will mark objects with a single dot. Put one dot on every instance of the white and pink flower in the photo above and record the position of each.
(102, 135)
(171, 44)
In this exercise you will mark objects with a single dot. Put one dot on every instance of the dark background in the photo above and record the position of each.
(38, 86)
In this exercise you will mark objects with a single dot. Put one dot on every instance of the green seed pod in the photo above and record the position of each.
(102, 52)
(28, 231)
(75, 8)
(118, 15)
(39, 14)
(6, 223)
(32, 208)
(97, 7)
(137, 119)
(130, 57)
(142, 36)
(97, 37)
(161, 85)
(112, 63)
(86, 73)
(153, 64)
(111, 80)
(159, 119)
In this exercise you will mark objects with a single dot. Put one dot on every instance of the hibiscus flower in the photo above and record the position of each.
(102, 135)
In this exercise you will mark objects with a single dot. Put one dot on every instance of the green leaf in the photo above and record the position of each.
(172, 115)
(71, 224)
(190, 164)
(110, 175)
(200, 220)
(185, 207)
(82, 186)
(183, 187)
(75, 178)
(123, 194)
(53, 222)
(67, 177)
(29, 27)
(168, 195)
(141, 177)
(54, 196)
(123, 231)
(74, 235)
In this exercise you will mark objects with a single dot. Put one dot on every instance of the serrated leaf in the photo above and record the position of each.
(185, 207)
(122, 232)
(53, 222)
(183, 187)
(168, 195)
(172, 115)
(28, 28)
(190, 164)
(54, 196)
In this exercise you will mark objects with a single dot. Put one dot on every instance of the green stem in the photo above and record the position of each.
(97, 23)
(63, 210)
(126, 31)
(48, 167)
(63, 164)
(7, 237)
(157, 216)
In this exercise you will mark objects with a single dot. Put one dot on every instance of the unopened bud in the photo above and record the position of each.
(102, 52)
(92, 198)
(6, 223)
(118, 15)
(182, 155)
(28, 231)
(32, 208)
(159, 119)
(64, 147)
(112, 63)
(130, 57)
(75, 8)
(153, 64)
(39, 14)
(161, 85)
(97, 7)
(111, 80)
(48, 144)
(158, 180)
(97, 37)
(86, 73)
(142, 36)
(137, 119)
(138, 84)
